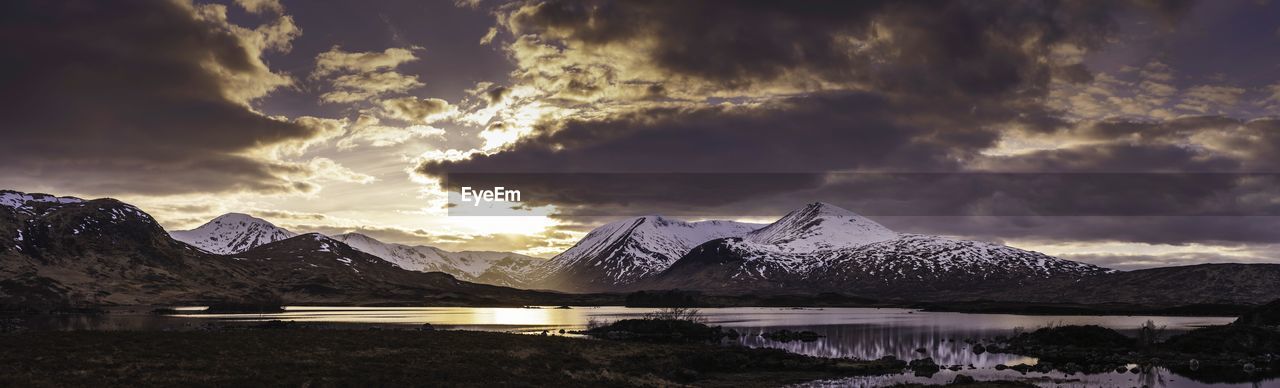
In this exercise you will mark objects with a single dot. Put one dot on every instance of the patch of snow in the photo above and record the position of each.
(23, 201)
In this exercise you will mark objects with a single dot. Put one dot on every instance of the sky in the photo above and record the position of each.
(1127, 134)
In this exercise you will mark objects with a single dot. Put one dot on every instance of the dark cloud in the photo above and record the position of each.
(812, 133)
(803, 137)
(722, 161)
(136, 97)
(928, 83)
(496, 94)
(969, 48)
(1174, 230)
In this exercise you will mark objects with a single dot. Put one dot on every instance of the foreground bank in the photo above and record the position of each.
(310, 357)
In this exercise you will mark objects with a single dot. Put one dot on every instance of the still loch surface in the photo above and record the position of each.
(865, 333)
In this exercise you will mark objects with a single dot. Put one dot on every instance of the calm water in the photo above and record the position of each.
(849, 332)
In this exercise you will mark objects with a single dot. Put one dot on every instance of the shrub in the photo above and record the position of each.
(1088, 336)
(1150, 334)
(658, 330)
(676, 314)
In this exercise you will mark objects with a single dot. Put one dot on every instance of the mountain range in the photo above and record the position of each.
(817, 248)
(69, 251)
(823, 248)
(66, 251)
(234, 233)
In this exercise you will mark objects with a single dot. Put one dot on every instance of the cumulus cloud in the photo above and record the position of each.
(418, 110)
(336, 61)
(369, 130)
(1211, 99)
(145, 97)
(362, 76)
(365, 86)
(261, 6)
(328, 169)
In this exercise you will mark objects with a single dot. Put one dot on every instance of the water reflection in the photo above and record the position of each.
(1151, 377)
(947, 346)
(847, 332)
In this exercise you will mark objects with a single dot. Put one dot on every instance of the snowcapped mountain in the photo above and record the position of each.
(825, 248)
(500, 268)
(232, 233)
(58, 251)
(423, 259)
(235, 233)
(819, 227)
(626, 251)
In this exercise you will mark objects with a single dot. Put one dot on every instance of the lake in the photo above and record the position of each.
(865, 333)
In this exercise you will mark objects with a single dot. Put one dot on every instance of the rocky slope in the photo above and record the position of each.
(63, 251)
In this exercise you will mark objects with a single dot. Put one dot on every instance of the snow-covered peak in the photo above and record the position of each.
(403, 256)
(820, 226)
(232, 233)
(627, 250)
(22, 201)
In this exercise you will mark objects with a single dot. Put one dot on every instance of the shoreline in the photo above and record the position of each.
(982, 307)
